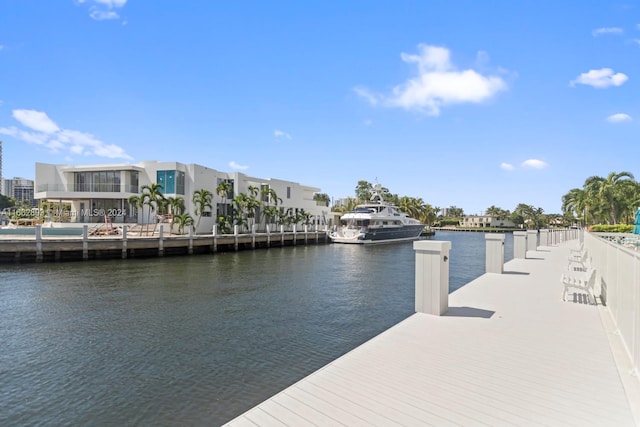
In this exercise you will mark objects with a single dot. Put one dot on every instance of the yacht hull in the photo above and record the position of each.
(379, 235)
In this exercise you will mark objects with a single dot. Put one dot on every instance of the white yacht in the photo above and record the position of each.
(376, 222)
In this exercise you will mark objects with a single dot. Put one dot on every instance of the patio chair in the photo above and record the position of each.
(580, 280)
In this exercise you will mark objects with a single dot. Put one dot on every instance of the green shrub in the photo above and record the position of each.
(615, 228)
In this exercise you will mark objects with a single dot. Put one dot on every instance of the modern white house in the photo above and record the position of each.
(485, 221)
(92, 191)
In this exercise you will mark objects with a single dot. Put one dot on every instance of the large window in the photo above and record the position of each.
(172, 181)
(103, 181)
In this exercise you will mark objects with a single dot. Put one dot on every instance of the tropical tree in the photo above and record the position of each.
(610, 200)
(224, 226)
(268, 196)
(322, 198)
(183, 220)
(252, 207)
(202, 200)
(6, 202)
(175, 205)
(135, 203)
(575, 204)
(364, 190)
(223, 190)
(240, 204)
(151, 195)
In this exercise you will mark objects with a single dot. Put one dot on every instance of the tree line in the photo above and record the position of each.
(244, 210)
(602, 200)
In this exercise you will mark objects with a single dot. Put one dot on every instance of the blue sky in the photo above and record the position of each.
(461, 103)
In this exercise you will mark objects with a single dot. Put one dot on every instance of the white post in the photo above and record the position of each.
(124, 242)
(494, 262)
(520, 244)
(432, 276)
(544, 237)
(85, 242)
(161, 241)
(532, 240)
(39, 254)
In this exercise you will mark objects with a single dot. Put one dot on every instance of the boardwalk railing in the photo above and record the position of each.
(618, 269)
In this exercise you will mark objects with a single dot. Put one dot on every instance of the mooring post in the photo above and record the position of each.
(39, 256)
(295, 231)
(494, 262)
(544, 237)
(190, 249)
(161, 241)
(268, 236)
(519, 244)
(124, 242)
(432, 276)
(532, 240)
(253, 236)
(235, 233)
(214, 247)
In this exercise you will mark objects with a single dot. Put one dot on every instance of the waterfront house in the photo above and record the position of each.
(92, 191)
(486, 221)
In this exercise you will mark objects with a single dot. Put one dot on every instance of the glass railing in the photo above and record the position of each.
(87, 188)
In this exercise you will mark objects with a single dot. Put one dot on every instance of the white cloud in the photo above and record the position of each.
(534, 164)
(369, 96)
(280, 134)
(112, 3)
(600, 79)
(619, 118)
(234, 165)
(102, 15)
(607, 30)
(368, 122)
(436, 84)
(45, 132)
(1, 46)
(36, 120)
(507, 166)
(101, 10)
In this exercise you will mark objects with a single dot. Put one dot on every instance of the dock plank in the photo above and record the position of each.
(508, 352)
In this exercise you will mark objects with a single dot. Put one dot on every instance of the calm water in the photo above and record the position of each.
(195, 340)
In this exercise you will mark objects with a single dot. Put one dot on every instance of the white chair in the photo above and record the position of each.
(579, 261)
(580, 280)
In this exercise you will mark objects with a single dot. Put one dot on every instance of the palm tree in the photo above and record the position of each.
(269, 195)
(322, 198)
(240, 204)
(224, 189)
(135, 202)
(575, 204)
(175, 205)
(202, 199)
(183, 220)
(151, 196)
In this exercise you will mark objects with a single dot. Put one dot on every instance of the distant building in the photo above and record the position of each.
(1, 179)
(21, 189)
(92, 190)
(485, 221)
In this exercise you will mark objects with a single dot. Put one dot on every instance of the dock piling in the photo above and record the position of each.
(432, 276)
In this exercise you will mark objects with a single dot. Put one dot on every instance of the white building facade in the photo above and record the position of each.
(90, 192)
(486, 221)
(21, 189)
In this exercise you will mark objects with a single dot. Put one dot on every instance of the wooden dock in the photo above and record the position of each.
(509, 351)
(41, 248)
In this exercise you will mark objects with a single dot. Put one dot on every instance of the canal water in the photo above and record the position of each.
(195, 340)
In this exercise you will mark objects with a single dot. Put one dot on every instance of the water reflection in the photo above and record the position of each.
(194, 340)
